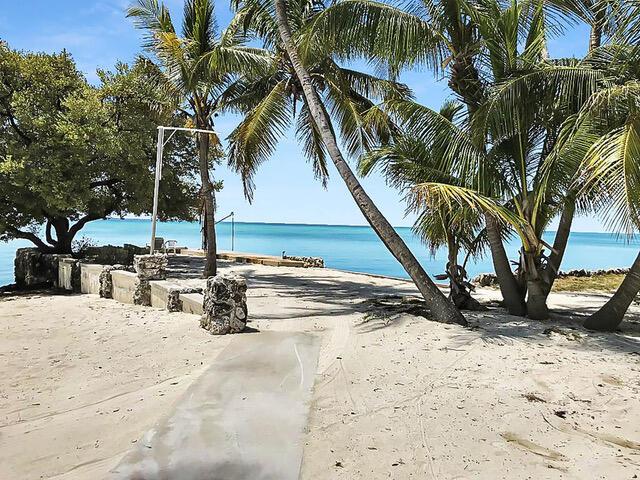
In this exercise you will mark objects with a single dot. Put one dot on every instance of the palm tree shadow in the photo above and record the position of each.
(497, 327)
(335, 295)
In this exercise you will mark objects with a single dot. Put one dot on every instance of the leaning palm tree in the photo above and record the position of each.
(198, 66)
(465, 40)
(613, 165)
(273, 103)
(414, 158)
(608, 131)
(287, 41)
(446, 36)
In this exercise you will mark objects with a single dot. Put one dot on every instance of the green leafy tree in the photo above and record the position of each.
(71, 153)
(198, 67)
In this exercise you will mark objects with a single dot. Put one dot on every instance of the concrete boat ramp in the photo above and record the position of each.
(244, 418)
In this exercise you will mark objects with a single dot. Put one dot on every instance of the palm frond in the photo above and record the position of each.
(454, 196)
(254, 140)
(612, 168)
(363, 28)
(312, 145)
(153, 17)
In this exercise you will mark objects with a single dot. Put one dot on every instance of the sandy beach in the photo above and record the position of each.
(394, 395)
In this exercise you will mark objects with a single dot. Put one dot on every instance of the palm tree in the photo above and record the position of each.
(274, 102)
(465, 38)
(608, 128)
(441, 34)
(612, 165)
(199, 66)
(442, 309)
(414, 158)
(509, 168)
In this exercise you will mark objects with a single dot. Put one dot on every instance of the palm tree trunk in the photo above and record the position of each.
(595, 36)
(611, 313)
(512, 293)
(452, 255)
(442, 309)
(537, 293)
(560, 241)
(210, 267)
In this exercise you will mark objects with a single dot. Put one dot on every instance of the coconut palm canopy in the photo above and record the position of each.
(273, 102)
(518, 158)
(494, 163)
(199, 68)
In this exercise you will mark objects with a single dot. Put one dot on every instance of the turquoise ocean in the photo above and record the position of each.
(354, 248)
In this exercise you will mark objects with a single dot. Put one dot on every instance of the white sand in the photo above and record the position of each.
(84, 377)
(394, 397)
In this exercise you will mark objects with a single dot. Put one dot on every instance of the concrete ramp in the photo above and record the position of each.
(244, 418)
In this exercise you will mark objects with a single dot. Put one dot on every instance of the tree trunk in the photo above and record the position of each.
(537, 299)
(595, 36)
(512, 293)
(452, 254)
(442, 309)
(560, 241)
(210, 267)
(611, 313)
(64, 237)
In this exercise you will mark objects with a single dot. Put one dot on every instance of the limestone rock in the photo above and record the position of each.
(148, 267)
(36, 269)
(142, 293)
(317, 262)
(225, 305)
(112, 255)
(485, 280)
(174, 304)
(151, 267)
(106, 282)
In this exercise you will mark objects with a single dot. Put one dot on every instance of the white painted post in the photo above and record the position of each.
(156, 189)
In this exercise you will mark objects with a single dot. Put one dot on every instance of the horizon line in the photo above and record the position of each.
(322, 224)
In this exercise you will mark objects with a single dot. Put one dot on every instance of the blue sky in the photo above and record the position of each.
(98, 35)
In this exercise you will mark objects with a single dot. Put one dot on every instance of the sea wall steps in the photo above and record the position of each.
(240, 257)
(69, 274)
(192, 303)
(124, 286)
(90, 277)
(143, 283)
(160, 293)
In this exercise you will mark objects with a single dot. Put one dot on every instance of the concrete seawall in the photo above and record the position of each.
(124, 286)
(90, 278)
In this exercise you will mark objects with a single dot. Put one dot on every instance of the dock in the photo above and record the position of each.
(241, 257)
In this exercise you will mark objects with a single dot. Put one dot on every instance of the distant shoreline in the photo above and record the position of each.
(344, 247)
(148, 219)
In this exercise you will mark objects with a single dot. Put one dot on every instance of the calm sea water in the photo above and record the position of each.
(344, 247)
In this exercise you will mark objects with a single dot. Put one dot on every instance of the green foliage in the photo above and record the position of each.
(415, 160)
(73, 152)
(273, 101)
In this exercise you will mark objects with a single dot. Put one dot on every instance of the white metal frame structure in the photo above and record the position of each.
(160, 149)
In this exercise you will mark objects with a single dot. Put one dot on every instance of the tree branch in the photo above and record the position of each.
(48, 235)
(32, 237)
(15, 126)
(76, 227)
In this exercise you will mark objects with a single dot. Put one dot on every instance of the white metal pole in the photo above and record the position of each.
(156, 189)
